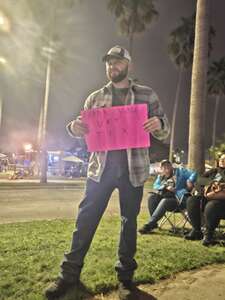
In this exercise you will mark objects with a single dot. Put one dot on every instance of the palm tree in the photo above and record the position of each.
(38, 29)
(133, 16)
(180, 49)
(50, 45)
(196, 155)
(216, 88)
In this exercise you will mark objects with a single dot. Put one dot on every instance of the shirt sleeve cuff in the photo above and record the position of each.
(69, 130)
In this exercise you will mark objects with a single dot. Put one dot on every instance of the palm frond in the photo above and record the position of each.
(216, 77)
(181, 42)
(133, 16)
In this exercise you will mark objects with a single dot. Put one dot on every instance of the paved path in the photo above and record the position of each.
(207, 283)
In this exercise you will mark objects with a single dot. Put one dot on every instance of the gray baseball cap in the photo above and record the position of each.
(117, 52)
(165, 162)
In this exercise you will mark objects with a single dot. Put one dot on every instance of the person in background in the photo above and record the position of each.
(126, 170)
(209, 206)
(171, 189)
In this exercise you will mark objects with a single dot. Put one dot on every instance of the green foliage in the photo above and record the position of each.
(30, 254)
(216, 78)
(181, 43)
(133, 16)
(219, 149)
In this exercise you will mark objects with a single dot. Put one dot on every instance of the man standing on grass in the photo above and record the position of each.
(126, 170)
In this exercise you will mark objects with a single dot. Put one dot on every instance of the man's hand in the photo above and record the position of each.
(170, 188)
(152, 124)
(78, 128)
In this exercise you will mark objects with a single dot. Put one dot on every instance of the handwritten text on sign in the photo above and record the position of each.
(114, 128)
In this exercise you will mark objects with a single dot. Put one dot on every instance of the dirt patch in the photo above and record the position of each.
(19, 205)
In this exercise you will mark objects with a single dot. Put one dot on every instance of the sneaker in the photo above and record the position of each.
(147, 228)
(194, 235)
(59, 288)
(126, 290)
(208, 239)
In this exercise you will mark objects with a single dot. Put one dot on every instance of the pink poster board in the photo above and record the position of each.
(114, 128)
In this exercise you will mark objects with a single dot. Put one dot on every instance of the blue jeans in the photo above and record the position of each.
(91, 209)
(159, 205)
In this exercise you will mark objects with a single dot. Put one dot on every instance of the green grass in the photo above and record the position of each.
(30, 254)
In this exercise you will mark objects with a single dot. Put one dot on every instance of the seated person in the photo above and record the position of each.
(211, 203)
(171, 190)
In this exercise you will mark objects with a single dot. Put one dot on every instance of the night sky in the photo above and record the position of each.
(94, 31)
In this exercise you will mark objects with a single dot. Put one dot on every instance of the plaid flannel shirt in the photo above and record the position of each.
(138, 159)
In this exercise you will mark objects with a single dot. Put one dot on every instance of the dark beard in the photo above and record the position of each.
(121, 76)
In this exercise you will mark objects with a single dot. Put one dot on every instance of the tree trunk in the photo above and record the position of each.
(1, 112)
(44, 156)
(131, 41)
(49, 51)
(196, 155)
(40, 123)
(39, 141)
(215, 120)
(174, 115)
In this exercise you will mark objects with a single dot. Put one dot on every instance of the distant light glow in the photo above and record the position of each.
(3, 61)
(1, 20)
(56, 158)
(27, 147)
(4, 23)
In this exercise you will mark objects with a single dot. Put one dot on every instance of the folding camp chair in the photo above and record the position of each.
(177, 220)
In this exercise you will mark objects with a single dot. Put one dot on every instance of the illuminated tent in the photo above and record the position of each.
(73, 158)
